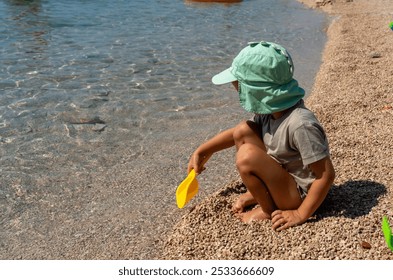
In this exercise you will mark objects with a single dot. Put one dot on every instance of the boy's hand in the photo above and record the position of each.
(197, 163)
(285, 219)
(221, 141)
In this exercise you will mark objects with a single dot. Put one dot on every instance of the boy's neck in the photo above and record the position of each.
(278, 115)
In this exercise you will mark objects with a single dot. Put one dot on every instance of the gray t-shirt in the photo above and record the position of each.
(295, 140)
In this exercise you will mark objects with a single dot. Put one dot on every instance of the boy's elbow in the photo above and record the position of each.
(331, 173)
(324, 171)
(332, 177)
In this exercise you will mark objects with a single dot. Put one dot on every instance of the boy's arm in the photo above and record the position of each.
(324, 172)
(202, 154)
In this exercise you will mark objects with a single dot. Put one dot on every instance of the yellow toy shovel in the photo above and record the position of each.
(187, 189)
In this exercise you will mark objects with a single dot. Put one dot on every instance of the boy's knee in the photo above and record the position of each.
(238, 134)
(244, 158)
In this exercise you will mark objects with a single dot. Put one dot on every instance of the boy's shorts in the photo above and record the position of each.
(302, 192)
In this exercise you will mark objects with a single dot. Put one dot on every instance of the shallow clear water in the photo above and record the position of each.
(105, 92)
(128, 62)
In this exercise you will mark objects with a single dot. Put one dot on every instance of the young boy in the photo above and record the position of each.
(282, 153)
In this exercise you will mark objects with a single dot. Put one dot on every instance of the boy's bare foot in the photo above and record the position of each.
(243, 201)
(255, 214)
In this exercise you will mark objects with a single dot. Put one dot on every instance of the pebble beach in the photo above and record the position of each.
(352, 98)
(95, 135)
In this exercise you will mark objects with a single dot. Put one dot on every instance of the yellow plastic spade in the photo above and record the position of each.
(187, 189)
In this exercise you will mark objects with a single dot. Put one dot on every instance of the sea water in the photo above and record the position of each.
(117, 94)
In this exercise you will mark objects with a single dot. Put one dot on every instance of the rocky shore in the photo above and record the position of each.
(352, 97)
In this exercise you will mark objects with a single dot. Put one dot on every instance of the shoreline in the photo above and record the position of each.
(352, 99)
(91, 162)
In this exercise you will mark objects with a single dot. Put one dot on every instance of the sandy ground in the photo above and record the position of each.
(352, 98)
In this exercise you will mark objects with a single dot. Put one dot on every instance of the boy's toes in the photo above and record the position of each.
(236, 208)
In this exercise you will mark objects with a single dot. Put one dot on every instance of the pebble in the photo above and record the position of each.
(375, 55)
(98, 127)
(365, 245)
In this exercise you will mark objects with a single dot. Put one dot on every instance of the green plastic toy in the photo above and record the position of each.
(387, 232)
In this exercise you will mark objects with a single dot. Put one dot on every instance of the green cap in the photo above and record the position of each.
(264, 71)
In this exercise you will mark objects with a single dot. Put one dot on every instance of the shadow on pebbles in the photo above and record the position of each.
(346, 226)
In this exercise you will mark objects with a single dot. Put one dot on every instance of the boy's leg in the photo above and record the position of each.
(245, 132)
(271, 185)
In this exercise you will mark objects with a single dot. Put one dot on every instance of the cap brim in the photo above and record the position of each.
(224, 77)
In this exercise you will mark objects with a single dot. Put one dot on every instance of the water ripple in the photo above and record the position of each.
(139, 68)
